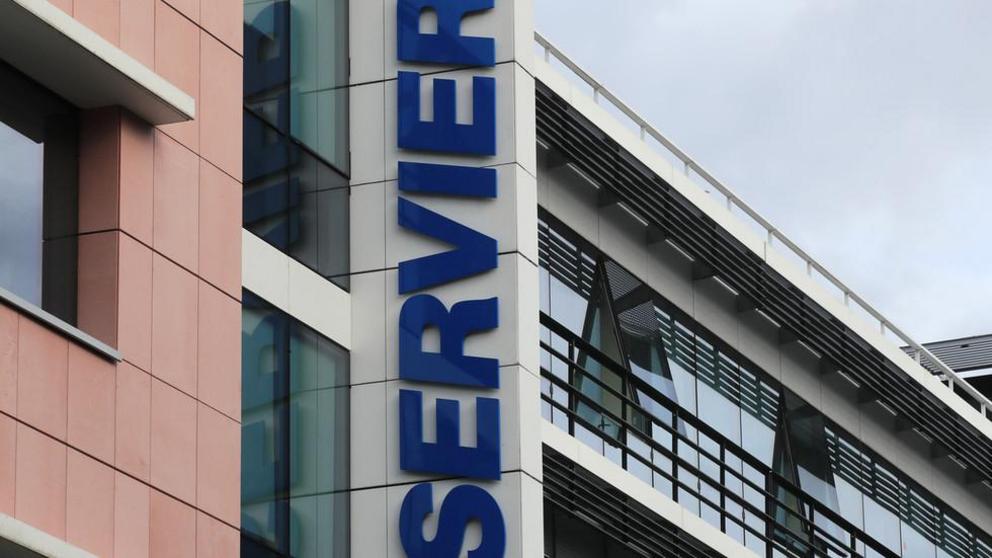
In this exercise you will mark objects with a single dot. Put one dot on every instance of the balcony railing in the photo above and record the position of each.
(774, 237)
(750, 502)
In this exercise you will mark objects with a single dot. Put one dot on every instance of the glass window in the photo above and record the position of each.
(883, 525)
(319, 77)
(38, 195)
(296, 72)
(808, 442)
(295, 437)
(915, 544)
(295, 202)
(296, 153)
(747, 447)
(21, 200)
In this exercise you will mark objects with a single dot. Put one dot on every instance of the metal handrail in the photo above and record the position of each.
(622, 420)
(774, 237)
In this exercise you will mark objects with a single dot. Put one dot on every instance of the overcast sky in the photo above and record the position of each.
(860, 128)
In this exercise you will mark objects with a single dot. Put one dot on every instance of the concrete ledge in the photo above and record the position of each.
(57, 324)
(295, 289)
(20, 540)
(76, 63)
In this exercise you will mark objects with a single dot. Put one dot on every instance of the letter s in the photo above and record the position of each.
(464, 504)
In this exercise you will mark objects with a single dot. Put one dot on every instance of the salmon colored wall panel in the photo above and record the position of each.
(224, 19)
(219, 362)
(90, 505)
(138, 30)
(215, 539)
(174, 329)
(8, 464)
(176, 227)
(218, 465)
(133, 421)
(220, 105)
(42, 379)
(177, 59)
(136, 176)
(189, 8)
(141, 458)
(97, 286)
(134, 335)
(220, 229)
(102, 16)
(173, 451)
(92, 387)
(64, 5)
(173, 528)
(99, 168)
(8, 360)
(41, 481)
(131, 523)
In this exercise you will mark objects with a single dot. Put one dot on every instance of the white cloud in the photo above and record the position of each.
(861, 129)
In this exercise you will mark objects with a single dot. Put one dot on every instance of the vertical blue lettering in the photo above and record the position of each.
(444, 134)
(448, 46)
(464, 504)
(451, 180)
(447, 456)
(474, 253)
(450, 366)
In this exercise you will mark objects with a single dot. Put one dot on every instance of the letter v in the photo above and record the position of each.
(474, 252)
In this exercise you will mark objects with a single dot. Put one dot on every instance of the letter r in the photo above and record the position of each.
(448, 46)
(451, 365)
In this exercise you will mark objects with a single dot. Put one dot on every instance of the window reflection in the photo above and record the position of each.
(296, 194)
(705, 427)
(38, 195)
(20, 213)
(295, 202)
(296, 72)
(294, 437)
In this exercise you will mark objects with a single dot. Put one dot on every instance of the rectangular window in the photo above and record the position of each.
(38, 195)
(295, 438)
(296, 153)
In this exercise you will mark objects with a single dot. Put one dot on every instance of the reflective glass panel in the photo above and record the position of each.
(21, 186)
(38, 195)
(296, 155)
(734, 430)
(295, 202)
(295, 436)
(296, 72)
(883, 525)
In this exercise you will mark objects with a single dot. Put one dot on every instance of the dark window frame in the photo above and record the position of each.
(42, 116)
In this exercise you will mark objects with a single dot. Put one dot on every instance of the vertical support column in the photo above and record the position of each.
(446, 451)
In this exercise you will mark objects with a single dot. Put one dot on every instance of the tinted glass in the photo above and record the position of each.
(38, 195)
(21, 197)
(294, 437)
(296, 154)
(296, 72)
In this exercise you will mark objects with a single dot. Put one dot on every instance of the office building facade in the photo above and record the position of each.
(485, 309)
(120, 278)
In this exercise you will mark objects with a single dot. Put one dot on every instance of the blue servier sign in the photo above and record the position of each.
(472, 253)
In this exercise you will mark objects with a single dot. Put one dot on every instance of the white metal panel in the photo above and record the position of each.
(296, 289)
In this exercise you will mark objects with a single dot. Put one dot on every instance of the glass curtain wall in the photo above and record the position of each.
(296, 130)
(295, 438)
(633, 377)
